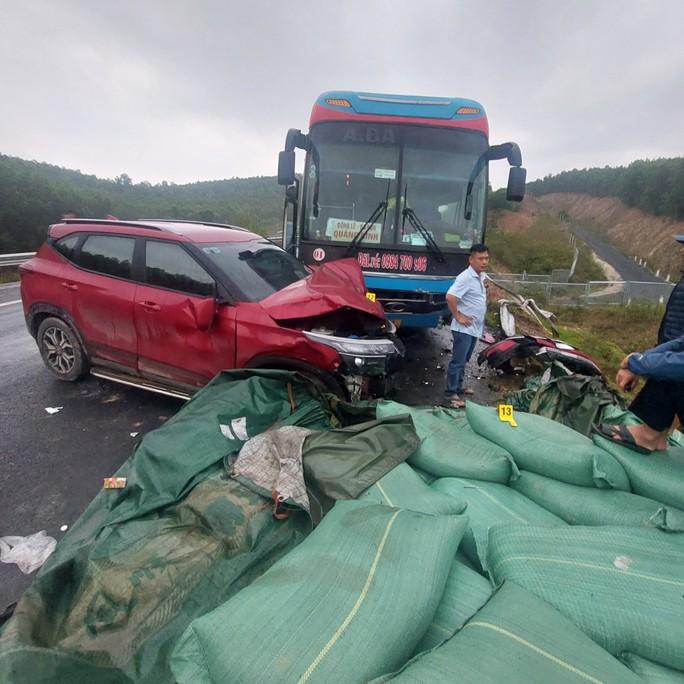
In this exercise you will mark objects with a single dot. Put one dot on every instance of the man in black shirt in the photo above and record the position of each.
(672, 325)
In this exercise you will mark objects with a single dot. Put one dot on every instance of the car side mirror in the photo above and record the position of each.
(515, 192)
(205, 311)
(286, 167)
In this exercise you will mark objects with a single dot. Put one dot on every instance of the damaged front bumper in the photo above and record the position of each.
(365, 363)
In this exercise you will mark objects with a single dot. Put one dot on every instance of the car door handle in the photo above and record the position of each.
(70, 286)
(150, 306)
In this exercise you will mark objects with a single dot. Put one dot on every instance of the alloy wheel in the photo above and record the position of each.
(59, 350)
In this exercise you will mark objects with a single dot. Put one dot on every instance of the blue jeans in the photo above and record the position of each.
(464, 345)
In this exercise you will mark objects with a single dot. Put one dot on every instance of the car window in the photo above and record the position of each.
(109, 254)
(168, 265)
(256, 268)
(67, 245)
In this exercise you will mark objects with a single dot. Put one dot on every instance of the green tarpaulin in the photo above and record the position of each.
(177, 542)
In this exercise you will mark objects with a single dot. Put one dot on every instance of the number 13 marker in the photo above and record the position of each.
(506, 414)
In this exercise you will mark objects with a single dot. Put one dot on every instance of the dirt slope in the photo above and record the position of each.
(635, 232)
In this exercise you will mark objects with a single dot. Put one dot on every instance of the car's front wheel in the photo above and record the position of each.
(61, 350)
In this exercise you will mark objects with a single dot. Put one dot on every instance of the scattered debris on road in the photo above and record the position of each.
(114, 483)
(29, 553)
(111, 399)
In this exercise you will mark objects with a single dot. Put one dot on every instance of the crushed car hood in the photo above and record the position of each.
(335, 285)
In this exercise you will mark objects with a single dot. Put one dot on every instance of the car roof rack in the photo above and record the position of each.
(198, 223)
(109, 222)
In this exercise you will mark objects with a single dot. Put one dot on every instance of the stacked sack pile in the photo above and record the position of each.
(494, 554)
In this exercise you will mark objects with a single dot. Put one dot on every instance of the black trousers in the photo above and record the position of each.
(658, 402)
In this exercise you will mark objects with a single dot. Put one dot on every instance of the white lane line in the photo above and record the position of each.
(16, 301)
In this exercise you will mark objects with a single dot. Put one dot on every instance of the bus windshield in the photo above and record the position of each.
(358, 171)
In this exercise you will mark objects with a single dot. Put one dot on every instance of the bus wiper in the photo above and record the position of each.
(380, 209)
(477, 169)
(418, 226)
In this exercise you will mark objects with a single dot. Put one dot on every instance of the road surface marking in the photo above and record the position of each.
(16, 301)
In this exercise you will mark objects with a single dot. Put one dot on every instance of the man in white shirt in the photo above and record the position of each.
(467, 301)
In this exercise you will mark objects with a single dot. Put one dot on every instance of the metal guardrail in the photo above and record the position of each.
(15, 259)
(620, 292)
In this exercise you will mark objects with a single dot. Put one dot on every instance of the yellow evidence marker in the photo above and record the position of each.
(506, 414)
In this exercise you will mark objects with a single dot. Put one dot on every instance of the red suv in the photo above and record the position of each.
(165, 305)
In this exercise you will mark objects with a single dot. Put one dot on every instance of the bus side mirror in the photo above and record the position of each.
(515, 192)
(286, 167)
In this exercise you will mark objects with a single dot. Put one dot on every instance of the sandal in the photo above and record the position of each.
(621, 435)
(457, 402)
(468, 391)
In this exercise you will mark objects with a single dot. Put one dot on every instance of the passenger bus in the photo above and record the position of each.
(399, 183)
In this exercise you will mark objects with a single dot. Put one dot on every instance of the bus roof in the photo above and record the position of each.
(452, 112)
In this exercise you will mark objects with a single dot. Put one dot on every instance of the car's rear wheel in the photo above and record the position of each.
(61, 350)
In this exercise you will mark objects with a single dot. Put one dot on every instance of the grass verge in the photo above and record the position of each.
(609, 333)
(9, 274)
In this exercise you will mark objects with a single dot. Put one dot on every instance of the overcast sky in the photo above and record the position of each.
(187, 91)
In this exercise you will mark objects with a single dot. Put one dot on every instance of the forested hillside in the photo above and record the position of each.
(33, 195)
(656, 187)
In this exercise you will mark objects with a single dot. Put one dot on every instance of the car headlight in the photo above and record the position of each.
(347, 345)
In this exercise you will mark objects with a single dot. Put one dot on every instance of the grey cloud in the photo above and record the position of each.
(181, 91)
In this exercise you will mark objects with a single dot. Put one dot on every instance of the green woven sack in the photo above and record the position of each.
(651, 673)
(403, 488)
(449, 447)
(622, 586)
(351, 602)
(546, 447)
(465, 593)
(658, 476)
(490, 504)
(426, 477)
(517, 639)
(589, 506)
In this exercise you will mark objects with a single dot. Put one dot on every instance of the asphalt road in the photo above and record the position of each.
(626, 267)
(52, 465)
